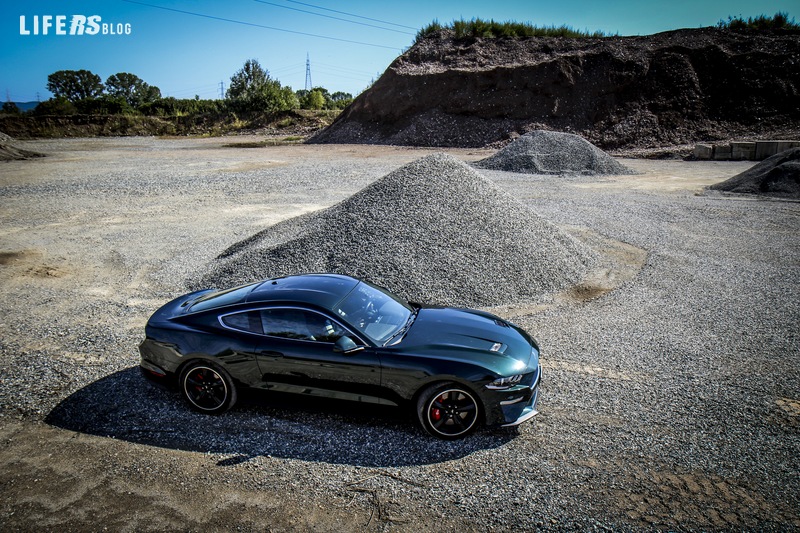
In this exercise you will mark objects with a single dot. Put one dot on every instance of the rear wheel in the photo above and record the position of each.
(207, 388)
(448, 411)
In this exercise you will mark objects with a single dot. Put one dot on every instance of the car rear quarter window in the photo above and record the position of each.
(249, 321)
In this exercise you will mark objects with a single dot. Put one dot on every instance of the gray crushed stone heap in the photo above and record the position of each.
(552, 152)
(10, 152)
(778, 175)
(434, 231)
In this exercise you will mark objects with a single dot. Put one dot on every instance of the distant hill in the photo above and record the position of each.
(26, 106)
(670, 88)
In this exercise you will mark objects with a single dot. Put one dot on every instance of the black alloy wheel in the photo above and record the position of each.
(448, 411)
(207, 388)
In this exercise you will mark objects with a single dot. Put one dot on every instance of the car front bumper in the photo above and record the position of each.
(518, 404)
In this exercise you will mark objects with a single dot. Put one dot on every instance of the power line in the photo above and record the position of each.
(331, 17)
(343, 69)
(352, 15)
(259, 25)
(285, 70)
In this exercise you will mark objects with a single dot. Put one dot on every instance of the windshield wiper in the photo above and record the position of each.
(400, 332)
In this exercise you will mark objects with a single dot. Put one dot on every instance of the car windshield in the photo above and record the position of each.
(220, 298)
(373, 311)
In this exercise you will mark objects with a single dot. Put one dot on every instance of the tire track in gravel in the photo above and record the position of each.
(667, 497)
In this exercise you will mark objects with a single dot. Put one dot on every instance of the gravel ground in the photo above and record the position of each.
(671, 402)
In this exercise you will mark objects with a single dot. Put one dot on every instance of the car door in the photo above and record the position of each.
(297, 355)
(236, 346)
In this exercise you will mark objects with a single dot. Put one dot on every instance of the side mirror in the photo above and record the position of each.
(346, 345)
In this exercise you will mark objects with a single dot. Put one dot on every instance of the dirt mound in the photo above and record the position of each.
(778, 175)
(550, 152)
(9, 152)
(434, 230)
(671, 88)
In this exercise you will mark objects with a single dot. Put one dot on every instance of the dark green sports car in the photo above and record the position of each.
(338, 337)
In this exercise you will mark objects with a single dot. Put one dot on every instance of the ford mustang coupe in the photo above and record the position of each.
(335, 336)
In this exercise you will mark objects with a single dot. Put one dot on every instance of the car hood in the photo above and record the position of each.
(467, 334)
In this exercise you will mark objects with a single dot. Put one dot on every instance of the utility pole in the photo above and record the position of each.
(308, 73)
(221, 91)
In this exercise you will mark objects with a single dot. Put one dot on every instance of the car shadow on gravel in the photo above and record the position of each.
(125, 406)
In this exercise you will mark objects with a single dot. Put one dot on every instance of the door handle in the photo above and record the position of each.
(270, 353)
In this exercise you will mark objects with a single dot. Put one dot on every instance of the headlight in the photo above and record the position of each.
(504, 383)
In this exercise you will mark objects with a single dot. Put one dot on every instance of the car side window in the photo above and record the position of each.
(300, 324)
(324, 329)
(249, 321)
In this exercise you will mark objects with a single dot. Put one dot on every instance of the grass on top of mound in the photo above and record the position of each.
(476, 27)
(779, 21)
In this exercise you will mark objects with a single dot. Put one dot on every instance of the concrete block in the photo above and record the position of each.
(743, 151)
(722, 152)
(703, 151)
(764, 149)
(786, 145)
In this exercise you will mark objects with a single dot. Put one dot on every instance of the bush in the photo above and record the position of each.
(173, 107)
(55, 106)
(430, 30)
(105, 105)
(779, 21)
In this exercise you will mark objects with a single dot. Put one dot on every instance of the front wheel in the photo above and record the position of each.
(448, 411)
(207, 388)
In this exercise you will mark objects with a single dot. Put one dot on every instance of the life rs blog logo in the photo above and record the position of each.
(70, 25)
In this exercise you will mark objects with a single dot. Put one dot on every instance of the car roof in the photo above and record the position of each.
(324, 290)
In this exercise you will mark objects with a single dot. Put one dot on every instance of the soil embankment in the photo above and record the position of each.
(671, 88)
(298, 122)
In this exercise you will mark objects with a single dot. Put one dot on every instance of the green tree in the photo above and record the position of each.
(341, 99)
(314, 99)
(132, 89)
(74, 85)
(251, 89)
(55, 106)
(11, 108)
(104, 105)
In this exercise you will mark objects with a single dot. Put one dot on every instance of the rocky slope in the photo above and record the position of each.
(618, 92)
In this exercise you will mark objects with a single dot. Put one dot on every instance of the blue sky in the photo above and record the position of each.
(187, 47)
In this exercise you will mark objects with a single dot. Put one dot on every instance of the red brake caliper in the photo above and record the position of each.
(436, 413)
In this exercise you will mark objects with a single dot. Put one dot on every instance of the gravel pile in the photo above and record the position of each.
(9, 152)
(778, 175)
(434, 230)
(551, 152)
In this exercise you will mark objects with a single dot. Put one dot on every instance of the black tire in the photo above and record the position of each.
(448, 411)
(207, 388)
